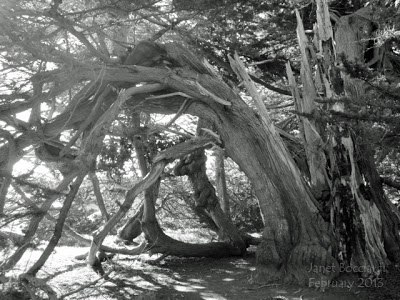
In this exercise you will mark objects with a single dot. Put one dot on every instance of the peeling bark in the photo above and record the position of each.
(374, 235)
(362, 223)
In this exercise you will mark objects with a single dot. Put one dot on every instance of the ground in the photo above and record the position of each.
(187, 278)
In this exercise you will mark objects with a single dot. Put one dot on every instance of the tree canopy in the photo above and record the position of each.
(117, 98)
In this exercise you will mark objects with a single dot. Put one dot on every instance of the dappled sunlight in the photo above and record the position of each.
(212, 150)
(188, 288)
(177, 278)
(228, 279)
(195, 280)
(212, 296)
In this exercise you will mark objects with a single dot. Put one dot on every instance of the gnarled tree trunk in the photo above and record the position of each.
(343, 174)
(372, 227)
(194, 166)
(295, 236)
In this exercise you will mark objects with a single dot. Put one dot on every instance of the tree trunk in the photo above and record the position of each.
(132, 228)
(205, 198)
(293, 226)
(58, 227)
(295, 236)
(99, 196)
(207, 204)
(220, 182)
(159, 242)
(362, 222)
(374, 236)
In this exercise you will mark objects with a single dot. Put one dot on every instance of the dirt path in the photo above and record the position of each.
(230, 279)
(188, 278)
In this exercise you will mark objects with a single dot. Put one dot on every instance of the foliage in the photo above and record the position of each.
(175, 205)
(244, 206)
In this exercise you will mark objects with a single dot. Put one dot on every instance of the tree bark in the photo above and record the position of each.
(220, 182)
(132, 228)
(99, 196)
(159, 242)
(362, 222)
(205, 197)
(374, 236)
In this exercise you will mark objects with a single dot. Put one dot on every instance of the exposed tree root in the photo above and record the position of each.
(159, 242)
(134, 251)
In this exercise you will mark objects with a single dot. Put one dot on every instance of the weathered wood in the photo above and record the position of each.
(277, 246)
(357, 218)
(99, 196)
(220, 181)
(374, 219)
(306, 105)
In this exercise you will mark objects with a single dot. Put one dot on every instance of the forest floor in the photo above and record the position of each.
(184, 278)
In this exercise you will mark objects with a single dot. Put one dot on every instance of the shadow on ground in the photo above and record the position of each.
(192, 278)
(206, 278)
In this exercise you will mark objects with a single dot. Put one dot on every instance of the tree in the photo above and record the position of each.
(365, 238)
(335, 212)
